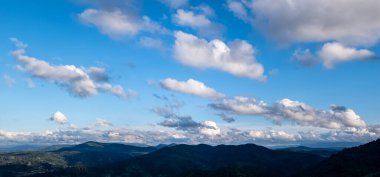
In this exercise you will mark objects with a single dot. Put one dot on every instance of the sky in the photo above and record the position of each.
(270, 72)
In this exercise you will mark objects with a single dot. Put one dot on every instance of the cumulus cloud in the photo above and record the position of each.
(8, 80)
(337, 117)
(116, 23)
(79, 82)
(332, 53)
(188, 18)
(209, 128)
(313, 20)
(190, 86)
(236, 57)
(59, 118)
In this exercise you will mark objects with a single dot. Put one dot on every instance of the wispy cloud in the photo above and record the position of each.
(79, 81)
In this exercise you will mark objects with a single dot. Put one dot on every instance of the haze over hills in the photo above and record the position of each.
(94, 159)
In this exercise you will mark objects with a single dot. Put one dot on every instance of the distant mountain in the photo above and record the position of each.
(82, 155)
(324, 152)
(363, 160)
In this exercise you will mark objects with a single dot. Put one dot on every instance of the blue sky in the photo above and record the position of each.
(188, 71)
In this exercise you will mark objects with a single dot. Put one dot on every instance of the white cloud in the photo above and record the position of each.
(273, 135)
(117, 24)
(9, 81)
(188, 18)
(59, 118)
(332, 53)
(314, 20)
(236, 58)
(190, 86)
(209, 128)
(338, 117)
(80, 82)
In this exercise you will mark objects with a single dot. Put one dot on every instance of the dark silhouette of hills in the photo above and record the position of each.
(82, 155)
(94, 159)
(203, 160)
(363, 160)
(324, 152)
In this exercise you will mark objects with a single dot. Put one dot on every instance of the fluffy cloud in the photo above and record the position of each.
(313, 20)
(190, 86)
(59, 118)
(80, 82)
(116, 23)
(332, 53)
(188, 18)
(236, 58)
(209, 128)
(338, 117)
(272, 135)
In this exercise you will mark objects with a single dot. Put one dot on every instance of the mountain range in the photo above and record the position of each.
(92, 159)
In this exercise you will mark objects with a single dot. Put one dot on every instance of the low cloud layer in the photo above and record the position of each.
(337, 117)
(190, 86)
(209, 133)
(237, 57)
(81, 82)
